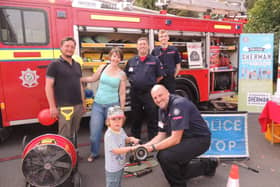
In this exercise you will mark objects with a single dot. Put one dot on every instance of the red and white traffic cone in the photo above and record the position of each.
(233, 179)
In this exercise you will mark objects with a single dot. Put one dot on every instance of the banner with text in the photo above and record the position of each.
(229, 135)
(255, 71)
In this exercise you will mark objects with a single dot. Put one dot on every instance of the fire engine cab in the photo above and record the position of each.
(30, 34)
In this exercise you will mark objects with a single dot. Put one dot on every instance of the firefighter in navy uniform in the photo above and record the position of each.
(143, 72)
(170, 58)
(183, 135)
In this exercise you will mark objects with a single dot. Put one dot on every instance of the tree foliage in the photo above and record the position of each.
(150, 4)
(264, 17)
(249, 4)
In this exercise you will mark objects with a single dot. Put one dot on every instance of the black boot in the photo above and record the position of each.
(212, 164)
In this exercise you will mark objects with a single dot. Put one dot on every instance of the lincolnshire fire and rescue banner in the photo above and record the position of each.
(255, 71)
(229, 137)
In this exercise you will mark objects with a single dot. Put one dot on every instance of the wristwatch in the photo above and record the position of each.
(154, 148)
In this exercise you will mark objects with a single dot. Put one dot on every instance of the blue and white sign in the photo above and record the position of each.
(229, 135)
(255, 82)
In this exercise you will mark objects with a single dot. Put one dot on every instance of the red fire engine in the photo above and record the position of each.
(30, 33)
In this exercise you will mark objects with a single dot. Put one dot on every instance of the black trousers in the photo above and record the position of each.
(143, 108)
(176, 161)
(169, 83)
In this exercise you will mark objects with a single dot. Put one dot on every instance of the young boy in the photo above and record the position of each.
(115, 149)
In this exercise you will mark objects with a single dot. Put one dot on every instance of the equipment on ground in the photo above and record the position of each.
(233, 178)
(49, 160)
(140, 163)
(141, 168)
(140, 154)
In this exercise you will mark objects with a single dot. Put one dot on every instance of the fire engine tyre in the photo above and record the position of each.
(188, 89)
(5, 133)
(48, 160)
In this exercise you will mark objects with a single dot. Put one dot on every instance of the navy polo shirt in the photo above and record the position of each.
(142, 75)
(169, 58)
(182, 114)
(67, 86)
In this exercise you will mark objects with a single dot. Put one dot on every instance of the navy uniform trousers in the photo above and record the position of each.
(143, 108)
(169, 83)
(176, 162)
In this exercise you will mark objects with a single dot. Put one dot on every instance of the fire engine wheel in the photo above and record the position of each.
(5, 133)
(187, 93)
(186, 87)
(47, 165)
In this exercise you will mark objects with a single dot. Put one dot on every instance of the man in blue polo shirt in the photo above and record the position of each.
(64, 90)
(170, 58)
(183, 135)
(143, 72)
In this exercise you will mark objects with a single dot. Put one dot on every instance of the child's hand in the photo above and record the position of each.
(134, 140)
(133, 148)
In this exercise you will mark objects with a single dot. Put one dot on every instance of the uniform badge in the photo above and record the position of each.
(176, 111)
(160, 124)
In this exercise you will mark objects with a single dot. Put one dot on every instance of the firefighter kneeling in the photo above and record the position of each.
(183, 135)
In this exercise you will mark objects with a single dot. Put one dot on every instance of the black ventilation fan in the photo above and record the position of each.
(47, 165)
(49, 160)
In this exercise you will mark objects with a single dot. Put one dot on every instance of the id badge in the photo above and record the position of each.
(130, 69)
(160, 124)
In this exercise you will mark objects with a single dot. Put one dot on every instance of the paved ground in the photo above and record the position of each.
(263, 156)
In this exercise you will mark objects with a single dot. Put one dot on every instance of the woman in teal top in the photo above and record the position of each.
(110, 92)
(108, 89)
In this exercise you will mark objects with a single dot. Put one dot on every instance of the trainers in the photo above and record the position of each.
(212, 164)
(91, 158)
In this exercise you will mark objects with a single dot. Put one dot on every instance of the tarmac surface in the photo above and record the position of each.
(264, 157)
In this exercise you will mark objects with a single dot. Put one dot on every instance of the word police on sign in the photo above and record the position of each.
(229, 135)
